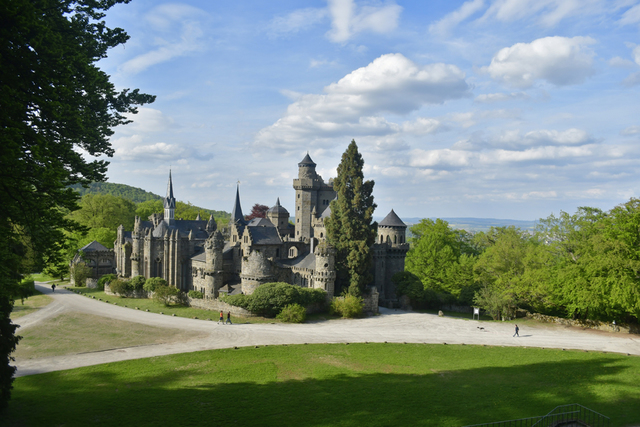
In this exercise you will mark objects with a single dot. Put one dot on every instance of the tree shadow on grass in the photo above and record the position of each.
(265, 387)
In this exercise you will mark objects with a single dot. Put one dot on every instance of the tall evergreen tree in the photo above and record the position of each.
(350, 228)
(54, 103)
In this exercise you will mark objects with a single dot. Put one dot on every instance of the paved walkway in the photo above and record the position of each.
(391, 326)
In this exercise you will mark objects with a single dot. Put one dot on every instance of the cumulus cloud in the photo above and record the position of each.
(348, 19)
(544, 137)
(147, 120)
(489, 98)
(446, 24)
(558, 60)
(422, 126)
(178, 32)
(354, 105)
(621, 62)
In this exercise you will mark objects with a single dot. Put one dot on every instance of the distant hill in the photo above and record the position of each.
(136, 195)
(479, 224)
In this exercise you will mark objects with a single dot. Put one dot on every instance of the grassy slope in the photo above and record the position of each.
(329, 385)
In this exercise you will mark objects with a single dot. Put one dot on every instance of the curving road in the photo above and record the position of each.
(390, 326)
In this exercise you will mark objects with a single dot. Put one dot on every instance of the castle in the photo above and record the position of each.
(194, 255)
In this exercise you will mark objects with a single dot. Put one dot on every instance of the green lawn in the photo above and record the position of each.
(156, 307)
(332, 385)
(31, 305)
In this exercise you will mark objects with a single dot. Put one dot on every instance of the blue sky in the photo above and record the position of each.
(497, 109)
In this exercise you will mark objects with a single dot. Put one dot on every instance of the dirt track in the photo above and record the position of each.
(390, 326)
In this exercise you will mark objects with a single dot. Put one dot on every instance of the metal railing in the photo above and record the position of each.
(572, 415)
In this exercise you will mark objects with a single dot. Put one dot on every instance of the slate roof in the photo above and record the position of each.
(326, 213)
(236, 214)
(93, 247)
(306, 260)
(265, 235)
(307, 161)
(277, 209)
(184, 227)
(260, 222)
(199, 256)
(392, 220)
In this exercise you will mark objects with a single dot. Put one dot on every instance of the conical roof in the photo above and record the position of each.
(392, 220)
(236, 214)
(170, 201)
(307, 161)
(277, 209)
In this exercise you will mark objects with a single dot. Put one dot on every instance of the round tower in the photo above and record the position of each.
(279, 217)
(324, 275)
(391, 230)
(214, 264)
(256, 271)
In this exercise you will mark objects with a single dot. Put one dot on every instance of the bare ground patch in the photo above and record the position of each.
(73, 333)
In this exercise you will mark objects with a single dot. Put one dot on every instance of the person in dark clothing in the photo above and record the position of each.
(53, 288)
(517, 330)
(229, 318)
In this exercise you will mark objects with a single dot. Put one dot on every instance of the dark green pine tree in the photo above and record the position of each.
(350, 228)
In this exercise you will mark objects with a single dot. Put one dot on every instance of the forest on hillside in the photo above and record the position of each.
(584, 265)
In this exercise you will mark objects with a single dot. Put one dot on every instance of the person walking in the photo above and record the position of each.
(53, 288)
(229, 318)
(221, 318)
(517, 330)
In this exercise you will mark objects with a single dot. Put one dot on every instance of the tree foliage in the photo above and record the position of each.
(257, 211)
(350, 228)
(55, 105)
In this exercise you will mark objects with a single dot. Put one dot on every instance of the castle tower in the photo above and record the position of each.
(138, 247)
(392, 230)
(311, 192)
(389, 253)
(169, 203)
(256, 271)
(214, 264)
(279, 217)
(211, 225)
(324, 276)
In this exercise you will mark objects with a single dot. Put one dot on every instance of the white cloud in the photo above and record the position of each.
(297, 20)
(348, 19)
(178, 31)
(439, 159)
(548, 12)
(422, 126)
(444, 25)
(147, 120)
(488, 98)
(631, 16)
(621, 62)
(631, 130)
(558, 60)
(632, 79)
(354, 105)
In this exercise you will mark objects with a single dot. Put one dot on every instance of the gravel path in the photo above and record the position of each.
(390, 326)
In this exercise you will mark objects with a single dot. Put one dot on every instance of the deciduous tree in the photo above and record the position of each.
(56, 107)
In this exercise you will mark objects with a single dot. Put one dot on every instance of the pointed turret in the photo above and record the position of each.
(236, 214)
(211, 225)
(198, 217)
(169, 203)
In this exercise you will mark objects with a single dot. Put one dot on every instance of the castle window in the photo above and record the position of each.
(381, 239)
(298, 196)
(321, 235)
(298, 207)
(277, 253)
(395, 239)
(235, 238)
(246, 239)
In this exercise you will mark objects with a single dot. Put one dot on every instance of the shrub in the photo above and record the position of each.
(153, 282)
(349, 306)
(121, 287)
(166, 294)
(137, 283)
(106, 279)
(196, 294)
(269, 299)
(310, 296)
(80, 272)
(240, 300)
(293, 313)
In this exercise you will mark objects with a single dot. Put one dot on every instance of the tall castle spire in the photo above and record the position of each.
(236, 214)
(169, 203)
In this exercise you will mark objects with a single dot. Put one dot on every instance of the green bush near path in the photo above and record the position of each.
(332, 385)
